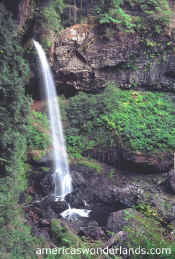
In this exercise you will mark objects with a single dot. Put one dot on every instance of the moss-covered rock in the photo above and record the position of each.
(137, 127)
(63, 235)
(124, 45)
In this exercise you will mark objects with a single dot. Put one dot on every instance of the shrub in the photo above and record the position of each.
(14, 73)
(15, 237)
(138, 121)
(149, 237)
(38, 131)
(50, 16)
(153, 15)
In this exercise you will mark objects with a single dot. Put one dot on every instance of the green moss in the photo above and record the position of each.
(91, 164)
(63, 233)
(64, 236)
(138, 121)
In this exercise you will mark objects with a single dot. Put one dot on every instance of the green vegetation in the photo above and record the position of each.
(51, 15)
(113, 13)
(112, 173)
(138, 121)
(15, 237)
(91, 164)
(133, 120)
(47, 19)
(14, 106)
(149, 211)
(63, 235)
(38, 131)
(153, 14)
(150, 236)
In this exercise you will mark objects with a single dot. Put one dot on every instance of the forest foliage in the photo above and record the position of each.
(14, 74)
(134, 13)
(126, 15)
(15, 236)
(133, 120)
(139, 121)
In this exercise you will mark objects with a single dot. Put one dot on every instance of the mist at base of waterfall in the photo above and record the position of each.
(74, 214)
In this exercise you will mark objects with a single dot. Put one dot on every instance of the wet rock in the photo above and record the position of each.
(59, 207)
(92, 230)
(103, 195)
(38, 160)
(21, 197)
(146, 162)
(41, 183)
(56, 207)
(171, 227)
(46, 184)
(137, 161)
(122, 218)
(98, 190)
(78, 224)
(44, 223)
(162, 202)
(171, 182)
(91, 191)
(86, 227)
(44, 233)
(164, 205)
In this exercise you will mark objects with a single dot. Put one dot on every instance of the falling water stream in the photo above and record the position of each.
(61, 174)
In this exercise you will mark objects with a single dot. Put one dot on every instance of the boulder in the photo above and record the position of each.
(92, 230)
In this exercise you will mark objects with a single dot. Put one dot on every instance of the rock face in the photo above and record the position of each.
(91, 190)
(172, 183)
(137, 161)
(86, 59)
(122, 218)
(110, 199)
(99, 190)
(21, 9)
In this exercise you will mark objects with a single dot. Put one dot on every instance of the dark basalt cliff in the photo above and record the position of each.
(84, 58)
(21, 9)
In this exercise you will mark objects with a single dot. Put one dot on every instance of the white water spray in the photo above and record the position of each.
(72, 213)
(61, 176)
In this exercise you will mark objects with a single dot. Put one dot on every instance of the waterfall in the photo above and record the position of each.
(61, 174)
